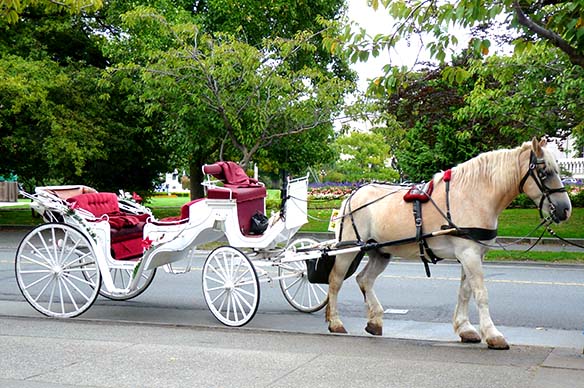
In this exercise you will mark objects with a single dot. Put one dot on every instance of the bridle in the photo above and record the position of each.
(539, 176)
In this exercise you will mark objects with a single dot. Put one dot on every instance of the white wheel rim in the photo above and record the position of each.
(51, 266)
(298, 291)
(230, 286)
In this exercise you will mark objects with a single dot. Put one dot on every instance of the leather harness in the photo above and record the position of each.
(420, 194)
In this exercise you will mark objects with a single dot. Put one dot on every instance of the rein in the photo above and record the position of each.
(553, 233)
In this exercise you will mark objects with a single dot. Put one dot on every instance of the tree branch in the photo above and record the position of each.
(575, 57)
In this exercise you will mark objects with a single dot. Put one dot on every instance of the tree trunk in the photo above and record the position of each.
(197, 176)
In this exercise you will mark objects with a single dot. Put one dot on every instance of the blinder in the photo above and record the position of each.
(539, 177)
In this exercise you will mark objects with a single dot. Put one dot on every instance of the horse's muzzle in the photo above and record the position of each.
(560, 211)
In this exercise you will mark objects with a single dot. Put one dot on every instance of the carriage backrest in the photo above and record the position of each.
(96, 203)
(65, 192)
(230, 173)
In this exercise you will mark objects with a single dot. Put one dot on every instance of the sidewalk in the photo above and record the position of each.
(52, 353)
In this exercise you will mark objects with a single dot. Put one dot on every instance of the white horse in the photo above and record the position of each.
(472, 195)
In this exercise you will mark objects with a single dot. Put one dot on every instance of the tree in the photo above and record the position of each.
(57, 124)
(12, 10)
(448, 114)
(364, 156)
(499, 103)
(556, 22)
(227, 94)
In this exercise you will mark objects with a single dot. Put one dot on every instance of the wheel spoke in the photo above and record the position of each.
(36, 262)
(76, 288)
(240, 299)
(218, 296)
(64, 281)
(48, 274)
(42, 291)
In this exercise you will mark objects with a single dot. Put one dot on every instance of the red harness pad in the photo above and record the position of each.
(421, 192)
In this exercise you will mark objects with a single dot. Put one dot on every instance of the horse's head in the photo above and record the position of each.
(542, 183)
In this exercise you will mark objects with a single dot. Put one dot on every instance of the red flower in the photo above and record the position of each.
(136, 197)
(146, 243)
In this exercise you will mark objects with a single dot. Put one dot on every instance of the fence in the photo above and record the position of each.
(574, 165)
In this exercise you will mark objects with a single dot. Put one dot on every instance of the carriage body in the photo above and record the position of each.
(100, 243)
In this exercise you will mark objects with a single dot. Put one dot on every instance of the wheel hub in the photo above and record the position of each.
(229, 286)
(57, 270)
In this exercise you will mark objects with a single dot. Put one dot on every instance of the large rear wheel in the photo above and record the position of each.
(51, 265)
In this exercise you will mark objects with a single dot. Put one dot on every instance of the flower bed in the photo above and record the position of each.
(330, 192)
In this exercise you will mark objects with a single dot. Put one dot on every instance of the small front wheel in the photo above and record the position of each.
(230, 286)
(298, 291)
(52, 266)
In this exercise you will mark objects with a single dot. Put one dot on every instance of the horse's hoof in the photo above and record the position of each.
(470, 337)
(498, 343)
(338, 329)
(373, 329)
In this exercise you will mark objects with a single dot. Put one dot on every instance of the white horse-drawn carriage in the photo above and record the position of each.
(100, 243)
(97, 243)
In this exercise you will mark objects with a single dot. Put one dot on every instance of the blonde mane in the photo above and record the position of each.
(499, 168)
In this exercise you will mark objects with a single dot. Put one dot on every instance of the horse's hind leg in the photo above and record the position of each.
(366, 278)
(474, 272)
(336, 277)
(460, 321)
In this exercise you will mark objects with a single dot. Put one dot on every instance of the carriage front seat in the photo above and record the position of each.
(126, 229)
(248, 193)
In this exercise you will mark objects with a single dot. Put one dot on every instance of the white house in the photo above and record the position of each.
(172, 183)
(574, 165)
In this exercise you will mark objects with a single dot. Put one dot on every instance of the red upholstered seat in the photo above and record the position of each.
(126, 229)
(96, 203)
(248, 193)
(241, 194)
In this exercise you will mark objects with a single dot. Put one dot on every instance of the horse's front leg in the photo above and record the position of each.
(336, 277)
(462, 326)
(472, 264)
(366, 278)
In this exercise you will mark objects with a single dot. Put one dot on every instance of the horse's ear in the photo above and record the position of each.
(536, 147)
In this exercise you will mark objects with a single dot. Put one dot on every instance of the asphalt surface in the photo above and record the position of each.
(53, 353)
(141, 347)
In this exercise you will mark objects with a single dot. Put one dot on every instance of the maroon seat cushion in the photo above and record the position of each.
(126, 229)
(240, 194)
(96, 203)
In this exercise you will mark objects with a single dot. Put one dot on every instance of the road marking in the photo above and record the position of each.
(509, 281)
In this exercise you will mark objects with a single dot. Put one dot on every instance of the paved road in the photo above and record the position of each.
(167, 338)
(531, 304)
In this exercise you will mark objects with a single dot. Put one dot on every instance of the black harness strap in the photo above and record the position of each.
(423, 245)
